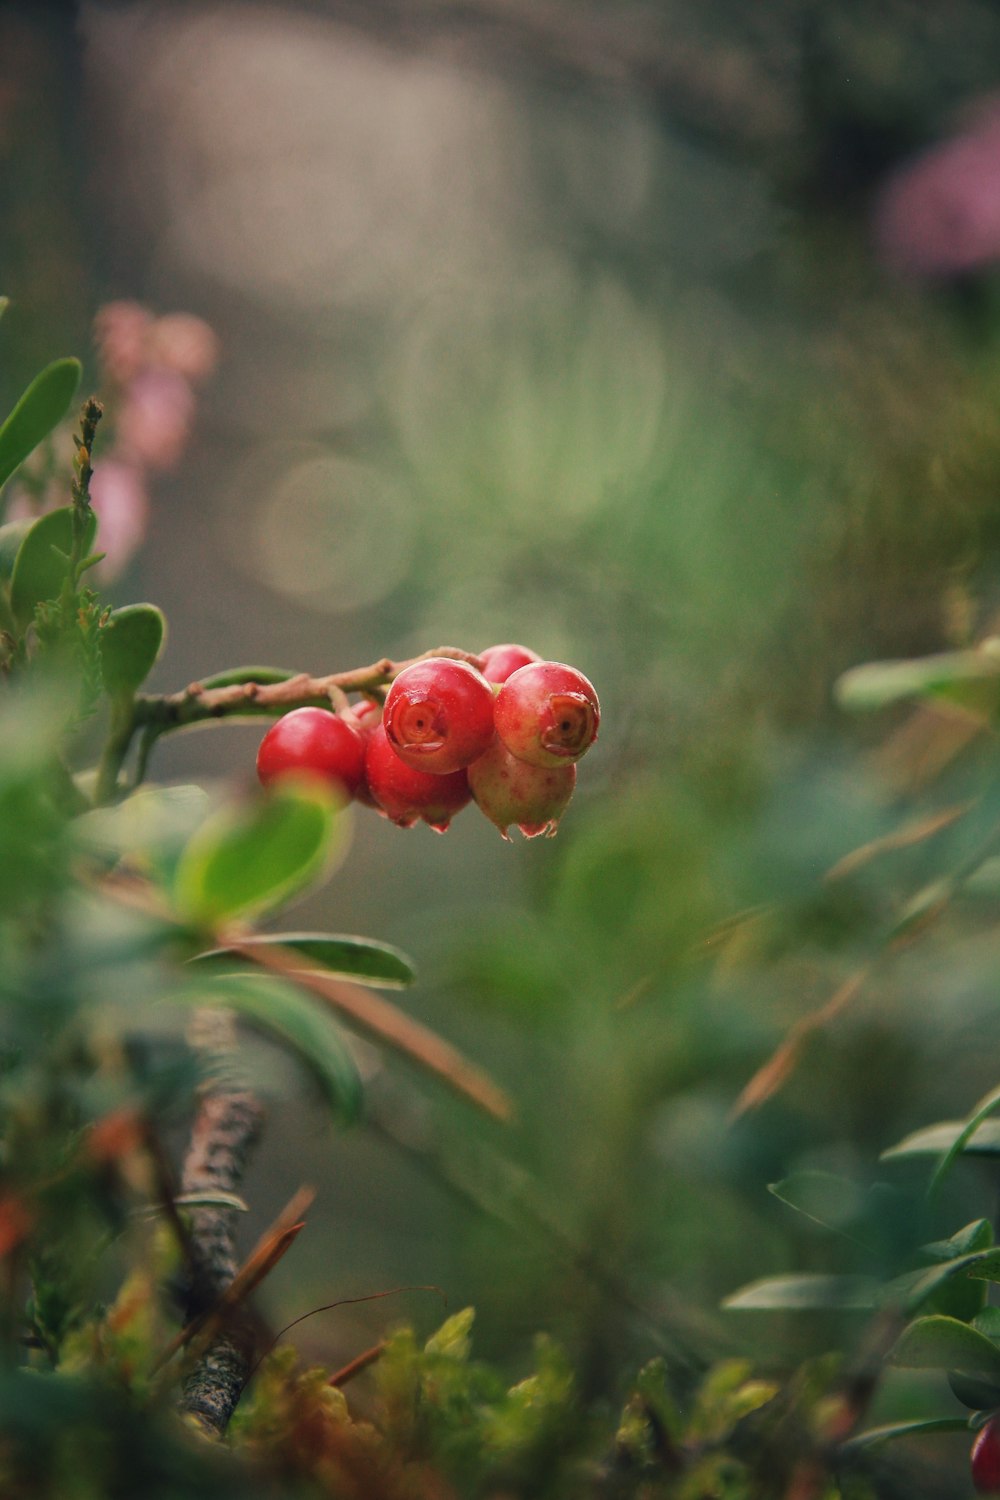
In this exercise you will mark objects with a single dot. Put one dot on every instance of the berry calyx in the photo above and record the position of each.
(313, 741)
(547, 713)
(498, 662)
(438, 715)
(405, 794)
(509, 790)
(986, 1458)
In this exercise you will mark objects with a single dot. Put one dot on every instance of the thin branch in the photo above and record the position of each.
(197, 704)
(225, 1130)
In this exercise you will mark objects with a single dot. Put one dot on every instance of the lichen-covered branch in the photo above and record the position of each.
(225, 1129)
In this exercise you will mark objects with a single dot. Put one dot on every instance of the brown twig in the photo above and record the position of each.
(197, 704)
(356, 1365)
(224, 1132)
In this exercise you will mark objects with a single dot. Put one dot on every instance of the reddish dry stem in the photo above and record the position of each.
(196, 704)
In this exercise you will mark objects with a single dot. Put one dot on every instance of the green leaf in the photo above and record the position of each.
(130, 643)
(236, 675)
(823, 1197)
(276, 1007)
(917, 1286)
(946, 1344)
(40, 409)
(4, 304)
(982, 1111)
(253, 856)
(12, 534)
(975, 1236)
(148, 830)
(876, 1435)
(933, 1139)
(877, 684)
(977, 1394)
(805, 1293)
(988, 1322)
(42, 565)
(454, 1337)
(360, 959)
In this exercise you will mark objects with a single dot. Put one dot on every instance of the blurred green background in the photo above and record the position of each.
(594, 326)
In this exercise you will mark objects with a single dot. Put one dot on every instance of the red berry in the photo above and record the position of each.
(509, 790)
(438, 715)
(316, 741)
(547, 713)
(499, 661)
(986, 1458)
(405, 795)
(365, 715)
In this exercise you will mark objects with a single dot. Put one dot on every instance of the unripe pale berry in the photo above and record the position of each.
(438, 715)
(509, 790)
(315, 741)
(405, 794)
(498, 662)
(547, 713)
(986, 1458)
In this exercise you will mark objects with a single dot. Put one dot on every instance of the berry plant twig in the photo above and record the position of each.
(226, 1126)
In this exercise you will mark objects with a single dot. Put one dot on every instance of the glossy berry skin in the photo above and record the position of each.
(547, 714)
(405, 794)
(498, 662)
(438, 715)
(509, 790)
(313, 741)
(986, 1458)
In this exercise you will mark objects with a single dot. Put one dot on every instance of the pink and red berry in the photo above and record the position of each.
(547, 713)
(509, 735)
(313, 741)
(509, 790)
(438, 715)
(986, 1458)
(405, 794)
(497, 662)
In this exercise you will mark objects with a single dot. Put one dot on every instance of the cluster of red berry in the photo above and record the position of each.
(508, 736)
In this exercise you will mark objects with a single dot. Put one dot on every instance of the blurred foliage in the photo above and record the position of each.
(572, 327)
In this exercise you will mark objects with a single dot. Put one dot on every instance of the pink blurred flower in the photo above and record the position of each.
(120, 333)
(154, 421)
(939, 215)
(121, 504)
(185, 344)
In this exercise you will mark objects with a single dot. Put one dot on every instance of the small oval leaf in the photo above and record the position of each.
(235, 675)
(41, 566)
(946, 1344)
(933, 1139)
(361, 959)
(977, 1394)
(130, 644)
(876, 1435)
(823, 1197)
(40, 409)
(877, 684)
(253, 856)
(291, 1017)
(805, 1293)
(916, 1287)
